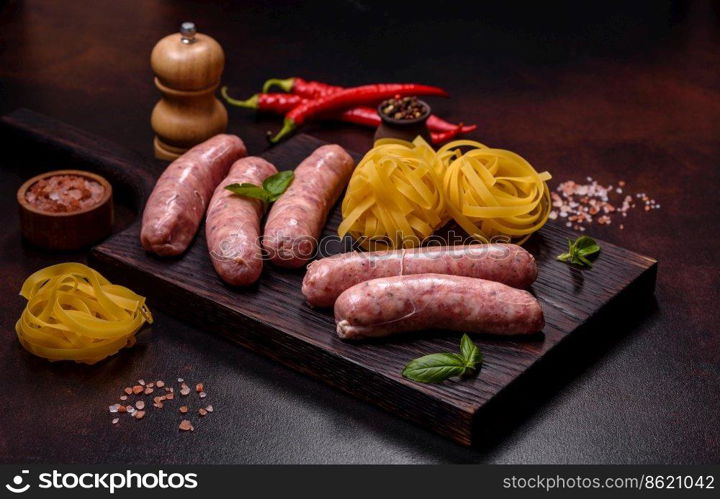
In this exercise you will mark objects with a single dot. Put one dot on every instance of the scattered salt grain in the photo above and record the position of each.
(137, 410)
(583, 204)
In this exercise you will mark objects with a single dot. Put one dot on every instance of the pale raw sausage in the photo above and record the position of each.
(296, 220)
(507, 263)
(232, 224)
(390, 305)
(176, 206)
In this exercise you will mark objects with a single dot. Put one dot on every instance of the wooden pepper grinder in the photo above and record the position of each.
(187, 67)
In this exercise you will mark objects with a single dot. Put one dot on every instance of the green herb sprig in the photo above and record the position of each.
(579, 251)
(438, 367)
(270, 191)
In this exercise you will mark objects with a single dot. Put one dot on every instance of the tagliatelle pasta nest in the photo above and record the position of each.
(74, 313)
(493, 192)
(394, 198)
(401, 192)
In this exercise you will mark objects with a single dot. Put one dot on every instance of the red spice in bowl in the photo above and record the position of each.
(64, 193)
(65, 209)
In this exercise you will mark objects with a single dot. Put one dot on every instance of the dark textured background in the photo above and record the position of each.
(608, 90)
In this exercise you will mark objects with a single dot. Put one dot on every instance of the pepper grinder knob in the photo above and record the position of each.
(187, 32)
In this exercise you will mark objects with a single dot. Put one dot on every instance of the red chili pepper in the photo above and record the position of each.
(361, 115)
(368, 116)
(274, 103)
(437, 124)
(440, 137)
(314, 89)
(305, 88)
(348, 98)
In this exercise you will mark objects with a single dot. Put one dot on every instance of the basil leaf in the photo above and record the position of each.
(583, 260)
(249, 190)
(589, 250)
(586, 246)
(564, 257)
(470, 352)
(435, 367)
(579, 250)
(276, 184)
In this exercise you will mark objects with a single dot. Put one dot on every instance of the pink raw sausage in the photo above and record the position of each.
(296, 220)
(232, 224)
(176, 206)
(507, 263)
(390, 305)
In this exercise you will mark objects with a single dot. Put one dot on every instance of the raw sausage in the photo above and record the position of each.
(177, 203)
(390, 305)
(296, 219)
(232, 224)
(507, 263)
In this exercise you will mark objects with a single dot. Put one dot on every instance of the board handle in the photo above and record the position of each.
(125, 169)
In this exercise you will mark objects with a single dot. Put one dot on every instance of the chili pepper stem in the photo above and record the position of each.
(288, 128)
(285, 84)
(251, 103)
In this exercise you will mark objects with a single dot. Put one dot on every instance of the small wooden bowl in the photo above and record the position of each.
(391, 128)
(67, 230)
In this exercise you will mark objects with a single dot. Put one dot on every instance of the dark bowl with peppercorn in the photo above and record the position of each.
(403, 118)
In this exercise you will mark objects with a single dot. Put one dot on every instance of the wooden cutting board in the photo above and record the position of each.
(272, 319)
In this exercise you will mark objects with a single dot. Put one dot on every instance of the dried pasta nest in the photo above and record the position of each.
(402, 192)
(394, 198)
(74, 313)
